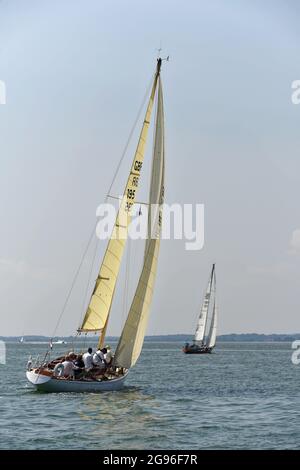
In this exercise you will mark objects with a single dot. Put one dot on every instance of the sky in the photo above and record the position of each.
(75, 75)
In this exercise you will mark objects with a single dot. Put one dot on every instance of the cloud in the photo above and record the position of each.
(21, 268)
(274, 271)
(294, 248)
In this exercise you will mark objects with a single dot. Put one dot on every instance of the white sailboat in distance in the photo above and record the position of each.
(204, 343)
(44, 376)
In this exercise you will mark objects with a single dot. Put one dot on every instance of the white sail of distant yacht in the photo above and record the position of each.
(212, 336)
(205, 343)
(99, 308)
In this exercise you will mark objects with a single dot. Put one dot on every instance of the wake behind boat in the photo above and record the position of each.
(204, 343)
(53, 375)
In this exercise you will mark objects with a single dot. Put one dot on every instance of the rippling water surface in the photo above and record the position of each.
(245, 395)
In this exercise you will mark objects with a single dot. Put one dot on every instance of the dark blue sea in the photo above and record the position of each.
(243, 396)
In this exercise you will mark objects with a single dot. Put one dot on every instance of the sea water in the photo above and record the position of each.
(243, 396)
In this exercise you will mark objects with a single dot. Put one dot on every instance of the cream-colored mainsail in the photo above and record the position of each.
(98, 310)
(132, 337)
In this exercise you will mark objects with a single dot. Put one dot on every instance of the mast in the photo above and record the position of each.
(98, 310)
(132, 337)
(201, 326)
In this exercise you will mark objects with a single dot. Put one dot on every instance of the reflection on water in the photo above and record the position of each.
(130, 404)
(125, 415)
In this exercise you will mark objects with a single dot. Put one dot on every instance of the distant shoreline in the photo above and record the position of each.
(233, 337)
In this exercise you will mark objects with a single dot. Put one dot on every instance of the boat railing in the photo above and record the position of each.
(34, 363)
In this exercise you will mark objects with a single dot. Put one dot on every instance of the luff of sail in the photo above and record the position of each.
(200, 330)
(157, 170)
(212, 335)
(98, 310)
(132, 337)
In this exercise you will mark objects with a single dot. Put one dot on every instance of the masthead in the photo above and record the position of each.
(159, 61)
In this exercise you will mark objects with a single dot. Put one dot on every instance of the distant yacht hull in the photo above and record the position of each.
(196, 350)
(48, 383)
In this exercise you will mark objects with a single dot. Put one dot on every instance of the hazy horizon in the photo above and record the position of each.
(189, 336)
(75, 75)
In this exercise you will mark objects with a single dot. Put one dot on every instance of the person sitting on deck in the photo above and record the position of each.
(108, 355)
(72, 355)
(98, 359)
(88, 359)
(78, 367)
(68, 366)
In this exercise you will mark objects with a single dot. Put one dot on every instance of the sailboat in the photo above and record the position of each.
(204, 344)
(21, 340)
(97, 315)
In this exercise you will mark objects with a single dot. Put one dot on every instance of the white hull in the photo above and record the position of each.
(50, 384)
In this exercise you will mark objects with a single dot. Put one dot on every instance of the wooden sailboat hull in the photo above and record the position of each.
(44, 383)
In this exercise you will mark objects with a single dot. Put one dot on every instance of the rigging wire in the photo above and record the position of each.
(129, 137)
(88, 281)
(74, 280)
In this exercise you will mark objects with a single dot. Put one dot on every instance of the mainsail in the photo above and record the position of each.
(212, 335)
(98, 310)
(132, 337)
(201, 326)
